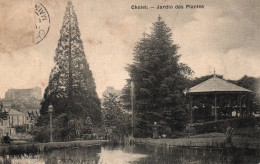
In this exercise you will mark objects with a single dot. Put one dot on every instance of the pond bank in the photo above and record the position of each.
(214, 142)
(41, 147)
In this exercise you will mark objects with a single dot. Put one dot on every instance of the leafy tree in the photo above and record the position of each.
(159, 80)
(115, 117)
(71, 89)
(252, 84)
(20, 128)
(3, 114)
(41, 132)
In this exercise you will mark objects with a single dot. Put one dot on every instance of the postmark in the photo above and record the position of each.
(42, 22)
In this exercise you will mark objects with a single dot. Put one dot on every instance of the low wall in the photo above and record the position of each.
(41, 147)
(214, 142)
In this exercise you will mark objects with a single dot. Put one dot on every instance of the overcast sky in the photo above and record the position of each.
(224, 36)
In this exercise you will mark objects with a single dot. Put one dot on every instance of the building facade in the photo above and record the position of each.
(17, 94)
(14, 119)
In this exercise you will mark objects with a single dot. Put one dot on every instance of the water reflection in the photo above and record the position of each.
(74, 155)
(118, 156)
(140, 153)
(169, 155)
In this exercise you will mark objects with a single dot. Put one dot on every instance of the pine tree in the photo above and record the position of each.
(159, 79)
(71, 89)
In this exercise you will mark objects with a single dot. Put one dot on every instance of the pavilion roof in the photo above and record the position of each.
(216, 84)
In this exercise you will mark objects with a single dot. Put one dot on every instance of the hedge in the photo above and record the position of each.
(221, 125)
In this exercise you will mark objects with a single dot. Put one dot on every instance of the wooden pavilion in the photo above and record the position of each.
(222, 95)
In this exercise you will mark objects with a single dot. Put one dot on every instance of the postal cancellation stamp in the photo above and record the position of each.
(42, 22)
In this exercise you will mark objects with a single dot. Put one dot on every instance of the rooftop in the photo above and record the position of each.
(216, 84)
(13, 112)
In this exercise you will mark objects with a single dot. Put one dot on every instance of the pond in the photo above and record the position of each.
(139, 153)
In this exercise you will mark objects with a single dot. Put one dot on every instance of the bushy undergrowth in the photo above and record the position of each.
(221, 126)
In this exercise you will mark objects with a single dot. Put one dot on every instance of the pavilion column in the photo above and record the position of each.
(216, 110)
(240, 105)
(249, 111)
(236, 104)
(230, 107)
(191, 111)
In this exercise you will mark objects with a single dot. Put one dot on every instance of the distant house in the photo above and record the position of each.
(111, 90)
(15, 118)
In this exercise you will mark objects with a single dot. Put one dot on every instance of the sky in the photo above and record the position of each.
(224, 36)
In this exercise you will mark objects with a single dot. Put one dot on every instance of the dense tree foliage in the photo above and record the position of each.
(71, 89)
(159, 80)
(115, 117)
(3, 114)
(252, 84)
(125, 96)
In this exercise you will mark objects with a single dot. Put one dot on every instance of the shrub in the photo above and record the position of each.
(20, 129)
(221, 125)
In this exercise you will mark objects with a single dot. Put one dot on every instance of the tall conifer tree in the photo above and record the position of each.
(71, 89)
(159, 79)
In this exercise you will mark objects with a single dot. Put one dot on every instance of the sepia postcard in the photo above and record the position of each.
(129, 81)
